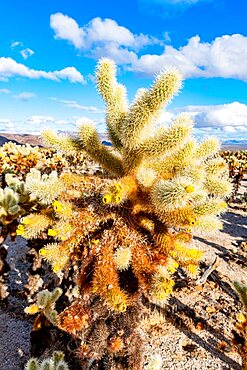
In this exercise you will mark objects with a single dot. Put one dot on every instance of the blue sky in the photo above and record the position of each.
(49, 49)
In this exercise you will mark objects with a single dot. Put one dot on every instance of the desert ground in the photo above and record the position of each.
(192, 331)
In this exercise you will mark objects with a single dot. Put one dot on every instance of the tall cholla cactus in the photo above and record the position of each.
(163, 186)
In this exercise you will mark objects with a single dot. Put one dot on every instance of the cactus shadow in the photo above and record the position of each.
(226, 254)
(235, 225)
(171, 313)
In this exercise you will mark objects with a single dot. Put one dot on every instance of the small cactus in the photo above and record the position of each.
(45, 304)
(56, 362)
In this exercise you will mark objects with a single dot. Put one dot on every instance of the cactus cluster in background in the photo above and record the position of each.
(56, 362)
(237, 163)
(240, 334)
(19, 158)
(235, 160)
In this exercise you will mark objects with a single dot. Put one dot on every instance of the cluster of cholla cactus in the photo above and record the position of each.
(240, 334)
(19, 158)
(15, 201)
(237, 163)
(56, 362)
(235, 160)
(123, 236)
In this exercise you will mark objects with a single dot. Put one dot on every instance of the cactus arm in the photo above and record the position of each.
(148, 105)
(64, 143)
(115, 97)
(97, 151)
(169, 139)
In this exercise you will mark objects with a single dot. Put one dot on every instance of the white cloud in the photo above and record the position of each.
(74, 104)
(6, 125)
(69, 73)
(167, 37)
(10, 68)
(223, 57)
(101, 37)
(26, 53)
(37, 120)
(14, 44)
(4, 91)
(66, 28)
(228, 118)
(25, 96)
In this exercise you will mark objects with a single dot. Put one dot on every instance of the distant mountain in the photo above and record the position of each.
(234, 145)
(34, 140)
(235, 142)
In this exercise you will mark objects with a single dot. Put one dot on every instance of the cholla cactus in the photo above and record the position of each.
(240, 336)
(124, 235)
(15, 201)
(164, 180)
(56, 362)
(45, 304)
(19, 158)
(44, 187)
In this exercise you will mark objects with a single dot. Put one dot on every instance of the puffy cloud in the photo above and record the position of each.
(26, 53)
(101, 37)
(10, 68)
(66, 28)
(223, 57)
(4, 91)
(69, 73)
(104, 37)
(228, 118)
(25, 96)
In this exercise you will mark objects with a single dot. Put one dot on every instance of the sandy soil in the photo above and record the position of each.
(193, 331)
